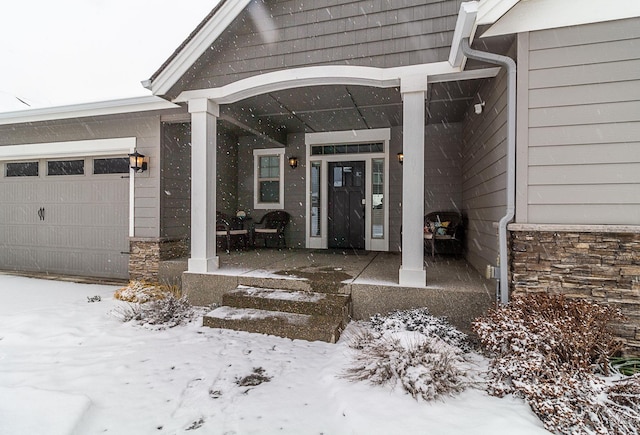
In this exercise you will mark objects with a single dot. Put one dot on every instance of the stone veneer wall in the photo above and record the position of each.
(598, 262)
(145, 255)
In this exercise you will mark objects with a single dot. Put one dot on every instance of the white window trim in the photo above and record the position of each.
(347, 137)
(256, 168)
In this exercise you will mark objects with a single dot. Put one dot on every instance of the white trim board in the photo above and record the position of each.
(79, 148)
(346, 137)
(101, 108)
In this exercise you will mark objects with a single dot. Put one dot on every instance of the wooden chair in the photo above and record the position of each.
(226, 229)
(272, 226)
(446, 228)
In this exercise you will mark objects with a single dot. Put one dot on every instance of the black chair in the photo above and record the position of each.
(272, 226)
(446, 228)
(226, 229)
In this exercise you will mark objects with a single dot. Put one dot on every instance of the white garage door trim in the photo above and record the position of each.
(78, 148)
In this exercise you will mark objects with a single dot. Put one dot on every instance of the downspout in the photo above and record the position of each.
(510, 65)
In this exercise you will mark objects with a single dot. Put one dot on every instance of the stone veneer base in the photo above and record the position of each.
(145, 255)
(599, 262)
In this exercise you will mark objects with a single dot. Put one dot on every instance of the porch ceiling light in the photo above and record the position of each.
(401, 157)
(137, 162)
(293, 162)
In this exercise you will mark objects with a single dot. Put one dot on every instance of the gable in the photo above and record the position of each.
(272, 35)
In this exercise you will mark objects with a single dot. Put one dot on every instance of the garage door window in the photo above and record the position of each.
(65, 167)
(111, 166)
(22, 169)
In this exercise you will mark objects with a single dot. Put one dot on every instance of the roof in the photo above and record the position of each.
(111, 107)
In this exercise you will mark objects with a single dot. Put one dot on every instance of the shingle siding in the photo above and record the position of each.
(366, 33)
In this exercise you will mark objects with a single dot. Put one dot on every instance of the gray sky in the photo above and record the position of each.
(71, 51)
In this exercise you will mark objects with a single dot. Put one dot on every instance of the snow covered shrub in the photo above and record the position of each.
(426, 368)
(141, 291)
(548, 349)
(167, 312)
(421, 321)
(424, 354)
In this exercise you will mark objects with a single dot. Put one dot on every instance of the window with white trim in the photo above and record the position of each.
(268, 192)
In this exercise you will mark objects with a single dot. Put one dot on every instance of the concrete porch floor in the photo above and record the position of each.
(454, 288)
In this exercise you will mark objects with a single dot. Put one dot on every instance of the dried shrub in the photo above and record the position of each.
(548, 349)
(422, 353)
(163, 313)
(426, 368)
(141, 291)
(421, 321)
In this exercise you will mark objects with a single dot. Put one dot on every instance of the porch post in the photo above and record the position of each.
(204, 114)
(412, 271)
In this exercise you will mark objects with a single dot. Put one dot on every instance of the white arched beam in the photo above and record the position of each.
(317, 76)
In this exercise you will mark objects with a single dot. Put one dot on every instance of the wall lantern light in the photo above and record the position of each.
(293, 162)
(137, 162)
(401, 157)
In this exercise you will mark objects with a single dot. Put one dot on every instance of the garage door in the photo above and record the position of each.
(65, 216)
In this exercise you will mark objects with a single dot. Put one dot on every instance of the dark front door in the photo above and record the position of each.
(346, 205)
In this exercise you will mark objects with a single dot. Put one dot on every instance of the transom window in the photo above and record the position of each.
(22, 169)
(65, 167)
(119, 165)
(357, 148)
(269, 185)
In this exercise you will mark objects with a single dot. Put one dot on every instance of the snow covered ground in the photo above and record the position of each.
(68, 366)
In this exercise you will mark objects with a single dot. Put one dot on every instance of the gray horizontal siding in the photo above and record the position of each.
(584, 124)
(484, 173)
(370, 33)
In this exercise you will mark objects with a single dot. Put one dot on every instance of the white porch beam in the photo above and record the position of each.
(315, 76)
(412, 271)
(204, 114)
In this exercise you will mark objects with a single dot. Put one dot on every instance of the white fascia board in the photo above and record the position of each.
(112, 107)
(531, 15)
(315, 76)
(200, 43)
(490, 11)
(80, 148)
(465, 28)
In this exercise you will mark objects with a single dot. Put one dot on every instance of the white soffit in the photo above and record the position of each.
(531, 15)
(79, 148)
(112, 107)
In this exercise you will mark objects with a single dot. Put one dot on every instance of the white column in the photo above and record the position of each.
(412, 271)
(204, 114)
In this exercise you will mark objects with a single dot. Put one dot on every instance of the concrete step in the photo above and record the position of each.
(282, 324)
(295, 314)
(291, 301)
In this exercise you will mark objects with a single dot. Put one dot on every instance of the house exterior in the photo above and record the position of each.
(545, 170)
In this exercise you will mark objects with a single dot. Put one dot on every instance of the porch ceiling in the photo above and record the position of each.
(330, 108)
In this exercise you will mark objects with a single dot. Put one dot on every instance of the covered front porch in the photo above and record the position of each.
(455, 288)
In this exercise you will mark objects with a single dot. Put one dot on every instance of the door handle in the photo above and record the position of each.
(41, 213)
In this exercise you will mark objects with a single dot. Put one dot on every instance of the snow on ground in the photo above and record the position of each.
(68, 366)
